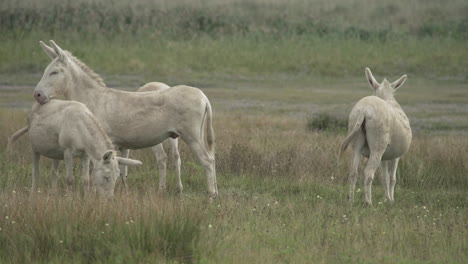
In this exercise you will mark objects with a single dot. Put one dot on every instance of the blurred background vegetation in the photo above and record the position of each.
(162, 38)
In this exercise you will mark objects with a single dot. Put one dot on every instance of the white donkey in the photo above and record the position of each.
(380, 131)
(158, 150)
(134, 120)
(62, 130)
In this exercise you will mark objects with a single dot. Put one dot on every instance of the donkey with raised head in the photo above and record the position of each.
(380, 131)
(62, 130)
(134, 120)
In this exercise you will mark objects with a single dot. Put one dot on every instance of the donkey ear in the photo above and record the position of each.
(107, 157)
(130, 162)
(373, 83)
(59, 51)
(48, 50)
(398, 83)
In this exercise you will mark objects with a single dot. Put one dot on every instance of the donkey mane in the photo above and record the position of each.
(107, 139)
(93, 75)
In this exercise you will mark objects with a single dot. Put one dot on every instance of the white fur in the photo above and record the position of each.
(135, 120)
(63, 130)
(380, 131)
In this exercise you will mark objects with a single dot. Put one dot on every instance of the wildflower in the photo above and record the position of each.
(107, 224)
(379, 203)
(61, 241)
(13, 191)
(276, 202)
(344, 216)
(332, 178)
(7, 217)
(424, 207)
(358, 190)
(127, 223)
(210, 226)
(13, 222)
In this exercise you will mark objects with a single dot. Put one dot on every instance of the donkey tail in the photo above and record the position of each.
(357, 127)
(208, 118)
(15, 136)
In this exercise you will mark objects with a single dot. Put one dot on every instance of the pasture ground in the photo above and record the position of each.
(282, 191)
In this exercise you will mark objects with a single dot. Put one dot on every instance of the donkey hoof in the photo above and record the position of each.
(179, 189)
(213, 196)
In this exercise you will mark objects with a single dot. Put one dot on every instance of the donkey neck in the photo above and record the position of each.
(97, 142)
(84, 89)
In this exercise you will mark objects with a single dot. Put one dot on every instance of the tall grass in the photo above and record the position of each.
(249, 38)
(361, 18)
(70, 229)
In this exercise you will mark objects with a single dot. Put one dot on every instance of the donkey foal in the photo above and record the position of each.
(62, 130)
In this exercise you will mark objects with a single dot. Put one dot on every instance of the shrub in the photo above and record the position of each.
(326, 122)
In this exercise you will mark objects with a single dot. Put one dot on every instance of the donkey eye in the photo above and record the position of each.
(53, 73)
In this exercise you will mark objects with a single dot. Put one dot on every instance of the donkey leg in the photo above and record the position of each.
(356, 148)
(372, 165)
(68, 158)
(124, 168)
(54, 174)
(35, 171)
(161, 158)
(85, 174)
(393, 170)
(384, 166)
(177, 162)
(353, 175)
(207, 160)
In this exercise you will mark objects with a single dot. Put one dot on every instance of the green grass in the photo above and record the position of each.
(163, 39)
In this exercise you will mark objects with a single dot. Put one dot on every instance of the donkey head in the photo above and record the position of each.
(106, 171)
(385, 89)
(57, 75)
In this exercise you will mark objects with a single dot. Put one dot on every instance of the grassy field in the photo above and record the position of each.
(161, 39)
(282, 79)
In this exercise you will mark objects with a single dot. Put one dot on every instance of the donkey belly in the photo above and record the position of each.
(397, 147)
(391, 152)
(136, 141)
